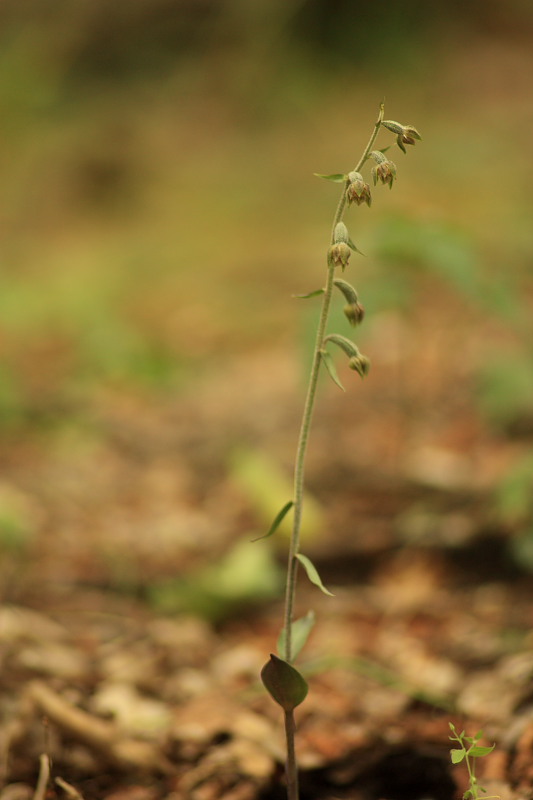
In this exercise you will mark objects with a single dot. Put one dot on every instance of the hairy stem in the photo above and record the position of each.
(299, 470)
(291, 768)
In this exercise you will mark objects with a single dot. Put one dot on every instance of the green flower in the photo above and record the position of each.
(358, 191)
(360, 364)
(340, 254)
(409, 135)
(384, 172)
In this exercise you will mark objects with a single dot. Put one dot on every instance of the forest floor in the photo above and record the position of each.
(137, 616)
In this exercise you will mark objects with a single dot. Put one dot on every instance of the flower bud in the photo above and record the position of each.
(354, 313)
(358, 191)
(360, 364)
(353, 310)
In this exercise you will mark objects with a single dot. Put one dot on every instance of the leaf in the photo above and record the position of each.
(312, 573)
(266, 487)
(301, 628)
(337, 177)
(277, 521)
(457, 756)
(309, 294)
(352, 246)
(479, 751)
(330, 366)
(284, 683)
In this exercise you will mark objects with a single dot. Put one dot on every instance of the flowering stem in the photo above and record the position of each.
(294, 547)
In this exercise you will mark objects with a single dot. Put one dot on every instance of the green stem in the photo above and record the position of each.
(299, 470)
(342, 201)
(292, 567)
(470, 765)
(291, 769)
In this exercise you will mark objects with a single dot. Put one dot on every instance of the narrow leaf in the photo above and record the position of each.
(457, 756)
(284, 683)
(309, 294)
(337, 177)
(352, 246)
(312, 573)
(301, 628)
(277, 521)
(330, 366)
(478, 751)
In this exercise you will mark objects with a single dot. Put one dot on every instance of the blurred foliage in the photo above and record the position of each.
(506, 390)
(248, 574)
(158, 204)
(267, 488)
(514, 505)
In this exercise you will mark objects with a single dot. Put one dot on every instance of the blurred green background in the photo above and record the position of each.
(159, 208)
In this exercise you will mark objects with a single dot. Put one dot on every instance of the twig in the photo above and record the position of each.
(103, 736)
(44, 777)
(69, 790)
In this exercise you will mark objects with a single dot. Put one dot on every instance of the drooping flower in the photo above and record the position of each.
(385, 171)
(354, 313)
(358, 190)
(340, 254)
(360, 364)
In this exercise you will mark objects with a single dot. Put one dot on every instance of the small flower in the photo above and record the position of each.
(354, 313)
(358, 191)
(339, 253)
(409, 135)
(360, 364)
(384, 172)
(405, 134)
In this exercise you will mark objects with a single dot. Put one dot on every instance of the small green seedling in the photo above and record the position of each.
(468, 751)
(284, 683)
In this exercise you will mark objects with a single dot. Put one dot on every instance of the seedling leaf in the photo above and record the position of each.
(330, 366)
(301, 628)
(337, 177)
(457, 756)
(479, 751)
(277, 521)
(312, 573)
(309, 294)
(284, 683)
